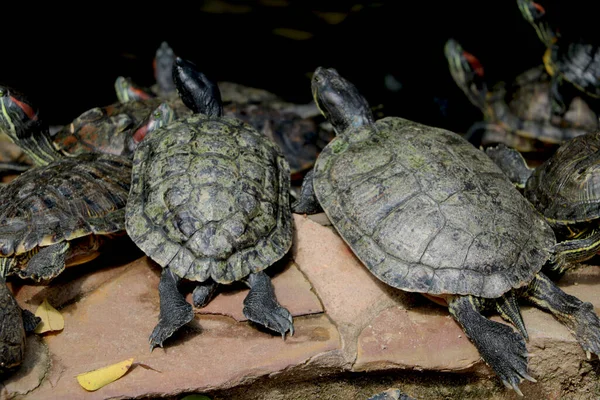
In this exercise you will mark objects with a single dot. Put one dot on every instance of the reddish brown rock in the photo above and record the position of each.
(113, 323)
(422, 338)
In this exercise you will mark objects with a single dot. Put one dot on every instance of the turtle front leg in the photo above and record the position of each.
(307, 203)
(511, 162)
(578, 316)
(502, 348)
(175, 312)
(47, 263)
(261, 306)
(567, 253)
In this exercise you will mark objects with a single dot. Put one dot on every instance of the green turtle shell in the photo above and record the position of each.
(210, 199)
(566, 187)
(67, 199)
(427, 212)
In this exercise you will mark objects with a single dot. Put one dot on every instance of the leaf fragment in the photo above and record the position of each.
(94, 380)
(52, 319)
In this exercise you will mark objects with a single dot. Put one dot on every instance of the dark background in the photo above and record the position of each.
(67, 58)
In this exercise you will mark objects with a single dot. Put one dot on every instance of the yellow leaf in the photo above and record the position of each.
(52, 320)
(98, 378)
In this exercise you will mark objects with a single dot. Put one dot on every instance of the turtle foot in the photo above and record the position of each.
(586, 329)
(175, 312)
(261, 306)
(168, 326)
(502, 348)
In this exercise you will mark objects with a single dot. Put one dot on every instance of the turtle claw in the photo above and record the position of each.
(276, 318)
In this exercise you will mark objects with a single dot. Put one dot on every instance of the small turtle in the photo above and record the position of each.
(427, 212)
(52, 216)
(519, 115)
(566, 190)
(209, 202)
(107, 129)
(577, 62)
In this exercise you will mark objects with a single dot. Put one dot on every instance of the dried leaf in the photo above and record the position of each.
(98, 378)
(52, 320)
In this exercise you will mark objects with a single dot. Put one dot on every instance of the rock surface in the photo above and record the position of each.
(346, 322)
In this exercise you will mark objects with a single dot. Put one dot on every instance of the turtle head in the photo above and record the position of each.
(198, 93)
(467, 72)
(128, 91)
(535, 14)
(21, 122)
(163, 68)
(161, 116)
(339, 100)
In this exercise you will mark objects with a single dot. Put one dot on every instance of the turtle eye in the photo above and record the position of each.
(2, 92)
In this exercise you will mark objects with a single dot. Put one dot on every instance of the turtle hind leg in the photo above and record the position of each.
(578, 316)
(307, 203)
(175, 312)
(502, 348)
(47, 263)
(203, 293)
(261, 306)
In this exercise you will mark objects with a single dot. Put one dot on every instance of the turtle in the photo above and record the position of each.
(518, 115)
(426, 211)
(209, 202)
(573, 61)
(295, 128)
(54, 215)
(566, 190)
(12, 158)
(108, 129)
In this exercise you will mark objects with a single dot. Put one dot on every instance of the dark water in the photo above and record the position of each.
(68, 58)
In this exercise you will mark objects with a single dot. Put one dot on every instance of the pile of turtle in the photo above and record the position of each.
(201, 184)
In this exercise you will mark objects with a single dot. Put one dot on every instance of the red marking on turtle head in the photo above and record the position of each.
(474, 63)
(27, 109)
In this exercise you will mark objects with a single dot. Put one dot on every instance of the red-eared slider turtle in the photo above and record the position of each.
(518, 115)
(107, 129)
(566, 190)
(209, 202)
(577, 62)
(52, 216)
(427, 212)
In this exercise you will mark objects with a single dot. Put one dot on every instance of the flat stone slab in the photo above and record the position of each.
(345, 320)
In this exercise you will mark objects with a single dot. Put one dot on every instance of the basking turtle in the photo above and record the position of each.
(427, 212)
(518, 115)
(566, 190)
(99, 130)
(577, 62)
(293, 127)
(209, 202)
(54, 215)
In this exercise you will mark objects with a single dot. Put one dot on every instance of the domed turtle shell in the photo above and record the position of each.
(65, 200)
(427, 212)
(566, 187)
(214, 200)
